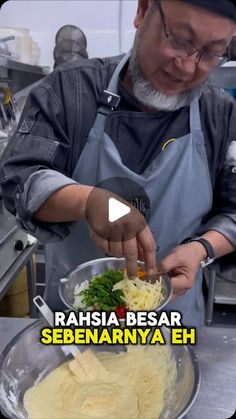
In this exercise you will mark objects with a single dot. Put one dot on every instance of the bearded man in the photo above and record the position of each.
(150, 118)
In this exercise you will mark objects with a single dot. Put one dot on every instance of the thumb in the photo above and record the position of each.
(167, 264)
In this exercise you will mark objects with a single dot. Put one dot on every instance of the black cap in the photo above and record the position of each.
(226, 8)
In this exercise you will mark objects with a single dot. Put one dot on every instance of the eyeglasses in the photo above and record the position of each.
(184, 49)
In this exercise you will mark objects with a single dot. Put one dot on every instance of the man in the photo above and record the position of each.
(172, 133)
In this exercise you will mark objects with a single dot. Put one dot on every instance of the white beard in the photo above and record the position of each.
(152, 98)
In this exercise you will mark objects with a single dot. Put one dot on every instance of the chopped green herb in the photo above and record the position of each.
(99, 293)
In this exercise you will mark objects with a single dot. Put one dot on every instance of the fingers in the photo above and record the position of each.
(142, 247)
(181, 284)
(148, 247)
(181, 269)
(140, 253)
(130, 250)
(169, 263)
(116, 249)
(127, 249)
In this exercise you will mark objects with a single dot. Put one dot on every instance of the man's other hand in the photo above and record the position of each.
(182, 265)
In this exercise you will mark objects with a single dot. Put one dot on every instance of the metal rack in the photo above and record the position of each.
(20, 75)
(19, 78)
(25, 259)
(225, 76)
(221, 290)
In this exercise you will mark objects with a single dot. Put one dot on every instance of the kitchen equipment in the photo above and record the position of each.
(49, 317)
(3, 45)
(16, 80)
(86, 363)
(66, 56)
(70, 47)
(25, 361)
(71, 32)
(35, 54)
(71, 44)
(12, 240)
(7, 111)
(21, 47)
(95, 267)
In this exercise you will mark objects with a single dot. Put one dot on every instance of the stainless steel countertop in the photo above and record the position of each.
(216, 352)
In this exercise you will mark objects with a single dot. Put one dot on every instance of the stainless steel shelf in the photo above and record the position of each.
(25, 259)
(225, 291)
(20, 74)
(220, 291)
(10, 64)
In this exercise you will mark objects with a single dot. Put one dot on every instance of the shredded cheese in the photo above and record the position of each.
(141, 295)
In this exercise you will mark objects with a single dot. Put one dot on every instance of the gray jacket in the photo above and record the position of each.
(54, 126)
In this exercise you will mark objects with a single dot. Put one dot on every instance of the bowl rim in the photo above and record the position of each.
(63, 281)
(187, 348)
(7, 349)
(11, 343)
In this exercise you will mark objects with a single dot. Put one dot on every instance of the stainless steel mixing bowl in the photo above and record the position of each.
(25, 361)
(95, 267)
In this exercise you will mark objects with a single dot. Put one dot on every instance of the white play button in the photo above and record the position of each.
(116, 209)
(115, 200)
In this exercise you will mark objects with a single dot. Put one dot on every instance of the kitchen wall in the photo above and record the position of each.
(108, 24)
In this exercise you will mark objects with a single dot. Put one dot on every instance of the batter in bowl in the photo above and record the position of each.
(139, 385)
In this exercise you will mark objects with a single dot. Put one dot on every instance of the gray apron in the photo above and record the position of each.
(179, 188)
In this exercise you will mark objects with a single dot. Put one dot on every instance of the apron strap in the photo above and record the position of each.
(99, 123)
(104, 111)
(195, 120)
(113, 84)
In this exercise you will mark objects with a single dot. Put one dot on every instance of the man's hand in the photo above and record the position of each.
(182, 265)
(128, 236)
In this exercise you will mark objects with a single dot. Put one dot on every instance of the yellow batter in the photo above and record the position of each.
(138, 385)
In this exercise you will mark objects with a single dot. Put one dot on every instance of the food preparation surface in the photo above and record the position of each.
(216, 352)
